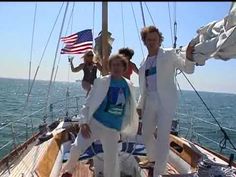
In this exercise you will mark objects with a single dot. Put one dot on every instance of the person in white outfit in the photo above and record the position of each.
(110, 111)
(158, 94)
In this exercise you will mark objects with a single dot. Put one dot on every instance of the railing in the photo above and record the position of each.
(191, 134)
(58, 109)
(18, 131)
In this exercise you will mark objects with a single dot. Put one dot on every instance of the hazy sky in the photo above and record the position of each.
(16, 30)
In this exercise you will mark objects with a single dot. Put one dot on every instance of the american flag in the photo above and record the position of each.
(78, 43)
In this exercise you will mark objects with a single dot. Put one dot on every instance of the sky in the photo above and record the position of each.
(16, 31)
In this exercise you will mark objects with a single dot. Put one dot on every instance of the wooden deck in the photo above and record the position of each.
(24, 166)
(83, 170)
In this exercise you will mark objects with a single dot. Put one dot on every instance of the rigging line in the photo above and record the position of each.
(175, 27)
(136, 24)
(72, 17)
(32, 43)
(201, 135)
(226, 137)
(37, 69)
(70, 21)
(54, 62)
(171, 32)
(149, 13)
(123, 26)
(141, 6)
(94, 5)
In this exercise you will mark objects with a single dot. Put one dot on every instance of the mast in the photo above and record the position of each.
(105, 55)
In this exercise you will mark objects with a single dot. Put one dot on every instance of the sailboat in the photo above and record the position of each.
(44, 154)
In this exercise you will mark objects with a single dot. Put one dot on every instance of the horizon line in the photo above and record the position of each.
(233, 93)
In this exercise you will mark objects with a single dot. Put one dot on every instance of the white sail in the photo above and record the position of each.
(121, 98)
(216, 39)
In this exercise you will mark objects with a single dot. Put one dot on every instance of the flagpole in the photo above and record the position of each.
(105, 55)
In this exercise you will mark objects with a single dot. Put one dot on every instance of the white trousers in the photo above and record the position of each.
(109, 139)
(154, 116)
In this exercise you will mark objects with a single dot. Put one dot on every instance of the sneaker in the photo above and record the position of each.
(66, 175)
(146, 164)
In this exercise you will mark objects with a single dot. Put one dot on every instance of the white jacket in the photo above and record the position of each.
(96, 97)
(166, 65)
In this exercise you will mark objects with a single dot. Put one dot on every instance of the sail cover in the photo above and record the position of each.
(98, 44)
(217, 39)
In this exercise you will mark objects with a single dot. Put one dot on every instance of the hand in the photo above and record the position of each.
(139, 111)
(95, 59)
(189, 52)
(85, 131)
(70, 59)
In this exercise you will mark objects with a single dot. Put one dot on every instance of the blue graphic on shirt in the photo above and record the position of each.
(150, 71)
(116, 101)
(110, 113)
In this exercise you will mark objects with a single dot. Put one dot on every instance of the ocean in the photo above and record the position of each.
(195, 122)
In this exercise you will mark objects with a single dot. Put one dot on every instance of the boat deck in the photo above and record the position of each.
(24, 166)
(84, 170)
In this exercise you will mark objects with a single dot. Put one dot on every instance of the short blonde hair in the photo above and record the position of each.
(119, 57)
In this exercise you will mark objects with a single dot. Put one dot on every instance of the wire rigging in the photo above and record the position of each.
(171, 32)
(143, 17)
(70, 21)
(38, 67)
(175, 27)
(54, 62)
(226, 138)
(136, 24)
(32, 43)
(149, 13)
(94, 6)
(123, 26)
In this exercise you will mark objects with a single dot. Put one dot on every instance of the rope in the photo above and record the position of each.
(136, 24)
(54, 62)
(37, 69)
(141, 6)
(32, 43)
(149, 13)
(226, 137)
(123, 26)
(171, 32)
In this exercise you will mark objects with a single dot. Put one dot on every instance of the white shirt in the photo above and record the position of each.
(150, 73)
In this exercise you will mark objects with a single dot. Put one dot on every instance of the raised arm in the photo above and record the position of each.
(76, 69)
(185, 61)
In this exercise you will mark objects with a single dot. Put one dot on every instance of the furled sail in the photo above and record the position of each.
(98, 44)
(217, 39)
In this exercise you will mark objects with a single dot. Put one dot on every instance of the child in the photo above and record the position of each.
(109, 110)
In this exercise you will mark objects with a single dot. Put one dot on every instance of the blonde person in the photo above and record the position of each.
(110, 110)
(89, 68)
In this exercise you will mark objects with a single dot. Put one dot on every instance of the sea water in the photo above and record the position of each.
(195, 122)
